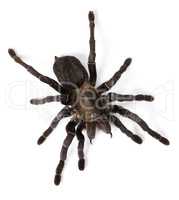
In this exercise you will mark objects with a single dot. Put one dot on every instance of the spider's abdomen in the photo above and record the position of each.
(69, 71)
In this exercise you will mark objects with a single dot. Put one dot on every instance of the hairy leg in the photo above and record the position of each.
(110, 97)
(65, 112)
(111, 82)
(119, 124)
(81, 139)
(70, 128)
(35, 73)
(47, 99)
(126, 113)
(92, 54)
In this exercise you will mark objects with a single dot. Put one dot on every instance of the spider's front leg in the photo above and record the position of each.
(126, 113)
(70, 128)
(111, 82)
(81, 139)
(52, 83)
(65, 112)
(92, 54)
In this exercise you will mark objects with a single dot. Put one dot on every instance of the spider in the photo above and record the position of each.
(87, 105)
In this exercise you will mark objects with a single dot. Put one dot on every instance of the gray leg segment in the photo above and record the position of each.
(70, 128)
(52, 83)
(65, 112)
(126, 113)
(81, 139)
(92, 54)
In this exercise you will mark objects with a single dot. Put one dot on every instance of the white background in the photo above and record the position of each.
(116, 168)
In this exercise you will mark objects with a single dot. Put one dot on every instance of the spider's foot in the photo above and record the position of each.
(41, 140)
(137, 139)
(12, 53)
(81, 164)
(34, 101)
(91, 15)
(149, 98)
(57, 179)
(127, 62)
(164, 140)
(14, 56)
(140, 97)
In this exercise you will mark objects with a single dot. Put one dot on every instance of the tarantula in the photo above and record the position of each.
(87, 105)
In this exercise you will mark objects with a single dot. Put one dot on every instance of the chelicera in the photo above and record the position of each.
(86, 104)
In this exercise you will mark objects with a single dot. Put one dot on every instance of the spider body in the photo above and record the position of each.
(74, 78)
(87, 104)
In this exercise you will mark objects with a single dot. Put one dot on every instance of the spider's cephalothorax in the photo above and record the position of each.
(87, 105)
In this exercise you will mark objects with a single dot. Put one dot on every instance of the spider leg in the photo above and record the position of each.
(70, 128)
(119, 124)
(35, 73)
(110, 97)
(48, 99)
(65, 112)
(126, 113)
(81, 139)
(111, 82)
(92, 54)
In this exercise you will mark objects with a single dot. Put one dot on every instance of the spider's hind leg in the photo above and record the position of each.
(126, 113)
(81, 139)
(65, 112)
(119, 124)
(70, 128)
